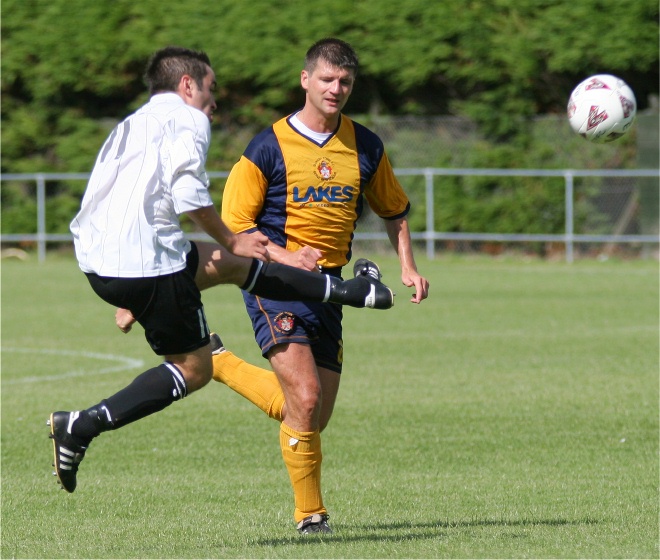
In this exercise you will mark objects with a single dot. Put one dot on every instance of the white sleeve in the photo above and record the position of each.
(185, 150)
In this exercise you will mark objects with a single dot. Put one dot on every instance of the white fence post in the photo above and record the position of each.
(569, 228)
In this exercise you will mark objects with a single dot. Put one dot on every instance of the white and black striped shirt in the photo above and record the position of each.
(149, 171)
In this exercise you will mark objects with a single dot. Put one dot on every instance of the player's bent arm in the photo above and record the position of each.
(305, 258)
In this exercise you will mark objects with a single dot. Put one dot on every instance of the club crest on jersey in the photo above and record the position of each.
(324, 169)
(284, 322)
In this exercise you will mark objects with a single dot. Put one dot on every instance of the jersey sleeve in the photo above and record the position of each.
(244, 196)
(185, 154)
(385, 194)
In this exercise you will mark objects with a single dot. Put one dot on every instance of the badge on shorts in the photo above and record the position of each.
(284, 322)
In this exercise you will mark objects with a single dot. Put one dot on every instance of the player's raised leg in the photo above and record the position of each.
(259, 386)
(284, 283)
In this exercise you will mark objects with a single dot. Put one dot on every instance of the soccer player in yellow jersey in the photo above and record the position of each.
(302, 182)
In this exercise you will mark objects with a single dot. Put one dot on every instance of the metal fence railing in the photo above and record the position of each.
(620, 214)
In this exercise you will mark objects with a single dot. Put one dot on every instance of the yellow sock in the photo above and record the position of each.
(259, 386)
(302, 456)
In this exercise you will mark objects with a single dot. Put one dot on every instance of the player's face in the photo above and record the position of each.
(204, 98)
(328, 88)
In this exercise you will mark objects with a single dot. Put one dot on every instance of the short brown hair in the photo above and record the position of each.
(334, 51)
(167, 66)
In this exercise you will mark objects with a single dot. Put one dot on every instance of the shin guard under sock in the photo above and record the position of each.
(151, 391)
(259, 386)
(302, 456)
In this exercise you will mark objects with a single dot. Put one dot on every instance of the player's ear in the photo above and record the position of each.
(304, 79)
(185, 88)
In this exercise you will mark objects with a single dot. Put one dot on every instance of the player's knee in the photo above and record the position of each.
(308, 404)
(198, 381)
(198, 375)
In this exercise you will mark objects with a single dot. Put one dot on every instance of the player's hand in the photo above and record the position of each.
(306, 258)
(251, 245)
(421, 284)
(124, 320)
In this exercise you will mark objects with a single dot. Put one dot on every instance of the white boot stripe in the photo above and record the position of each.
(370, 300)
(72, 418)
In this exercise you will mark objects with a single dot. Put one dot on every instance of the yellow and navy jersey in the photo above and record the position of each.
(298, 192)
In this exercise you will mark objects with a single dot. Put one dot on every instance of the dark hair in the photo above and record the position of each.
(334, 51)
(167, 66)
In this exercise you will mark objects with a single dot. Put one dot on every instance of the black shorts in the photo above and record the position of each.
(169, 307)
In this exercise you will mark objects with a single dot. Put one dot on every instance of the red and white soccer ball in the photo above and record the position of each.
(602, 108)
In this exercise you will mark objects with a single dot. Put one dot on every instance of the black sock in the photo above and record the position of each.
(149, 392)
(281, 282)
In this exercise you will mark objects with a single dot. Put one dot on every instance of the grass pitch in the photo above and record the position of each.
(514, 414)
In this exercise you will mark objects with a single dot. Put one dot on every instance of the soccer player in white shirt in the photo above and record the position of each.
(130, 245)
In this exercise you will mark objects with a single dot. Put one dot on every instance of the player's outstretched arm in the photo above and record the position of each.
(399, 234)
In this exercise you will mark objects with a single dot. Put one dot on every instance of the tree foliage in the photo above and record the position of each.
(72, 68)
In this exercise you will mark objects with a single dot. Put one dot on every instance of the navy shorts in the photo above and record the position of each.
(169, 307)
(282, 322)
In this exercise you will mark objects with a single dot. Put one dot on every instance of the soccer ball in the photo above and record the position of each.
(602, 108)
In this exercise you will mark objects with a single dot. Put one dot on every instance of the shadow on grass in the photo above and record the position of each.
(380, 532)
